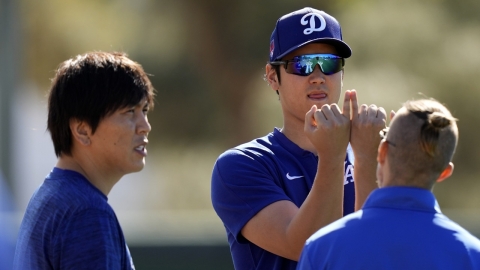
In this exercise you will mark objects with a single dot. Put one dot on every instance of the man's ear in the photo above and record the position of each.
(81, 131)
(447, 172)
(271, 77)
(382, 152)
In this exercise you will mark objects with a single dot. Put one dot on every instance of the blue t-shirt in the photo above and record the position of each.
(68, 224)
(250, 177)
(398, 228)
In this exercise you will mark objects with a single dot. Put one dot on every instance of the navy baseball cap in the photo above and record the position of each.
(304, 26)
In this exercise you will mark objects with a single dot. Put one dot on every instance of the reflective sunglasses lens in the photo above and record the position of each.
(304, 65)
(330, 65)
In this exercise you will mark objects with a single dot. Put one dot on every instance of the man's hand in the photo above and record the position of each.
(328, 128)
(367, 121)
(366, 125)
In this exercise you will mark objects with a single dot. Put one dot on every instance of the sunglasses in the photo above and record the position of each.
(383, 135)
(303, 65)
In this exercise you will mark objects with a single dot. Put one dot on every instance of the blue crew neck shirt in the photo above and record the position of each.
(251, 176)
(398, 228)
(68, 224)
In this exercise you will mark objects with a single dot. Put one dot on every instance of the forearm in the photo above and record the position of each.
(323, 205)
(365, 179)
(282, 228)
(364, 139)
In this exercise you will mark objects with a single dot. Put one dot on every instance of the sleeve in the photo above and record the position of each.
(315, 255)
(304, 261)
(243, 183)
(91, 239)
(326, 248)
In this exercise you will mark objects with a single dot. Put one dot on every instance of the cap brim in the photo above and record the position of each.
(342, 48)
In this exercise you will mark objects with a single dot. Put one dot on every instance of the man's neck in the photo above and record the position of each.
(95, 176)
(296, 134)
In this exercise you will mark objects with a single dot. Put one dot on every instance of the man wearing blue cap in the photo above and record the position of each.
(274, 192)
(401, 225)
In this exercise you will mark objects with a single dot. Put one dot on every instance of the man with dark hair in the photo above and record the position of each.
(274, 192)
(401, 226)
(97, 118)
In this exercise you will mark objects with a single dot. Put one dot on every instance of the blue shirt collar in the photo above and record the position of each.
(403, 198)
(289, 145)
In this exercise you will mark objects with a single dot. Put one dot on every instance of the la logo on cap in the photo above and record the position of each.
(313, 25)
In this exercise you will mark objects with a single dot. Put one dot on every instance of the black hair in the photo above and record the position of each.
(90, 87)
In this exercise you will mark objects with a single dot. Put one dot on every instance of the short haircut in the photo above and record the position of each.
(91, 86)
(425, 136)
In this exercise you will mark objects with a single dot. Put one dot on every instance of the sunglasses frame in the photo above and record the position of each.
(319, 55)
(383, 135)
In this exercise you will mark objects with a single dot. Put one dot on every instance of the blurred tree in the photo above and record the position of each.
(204, 55)
(401, 49)
(227, 45)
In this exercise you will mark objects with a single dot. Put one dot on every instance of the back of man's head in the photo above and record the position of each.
(88, 88)
(425, 135)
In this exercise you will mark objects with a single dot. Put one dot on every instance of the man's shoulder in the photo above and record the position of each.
(259, 147)
(264, 142)
(66, 195)
(337, 228)
(448, 226)
(72, 185)
(263, 152)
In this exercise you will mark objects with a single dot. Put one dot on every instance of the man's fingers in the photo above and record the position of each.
(325, 113)
(336, 110)
(353, 98)
(371, 114)
(363, 111)
(346, 104)
(377, 112)
(372, 111)
(310, 122)
(381, 113)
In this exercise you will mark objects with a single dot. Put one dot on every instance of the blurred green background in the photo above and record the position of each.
(206, 59)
